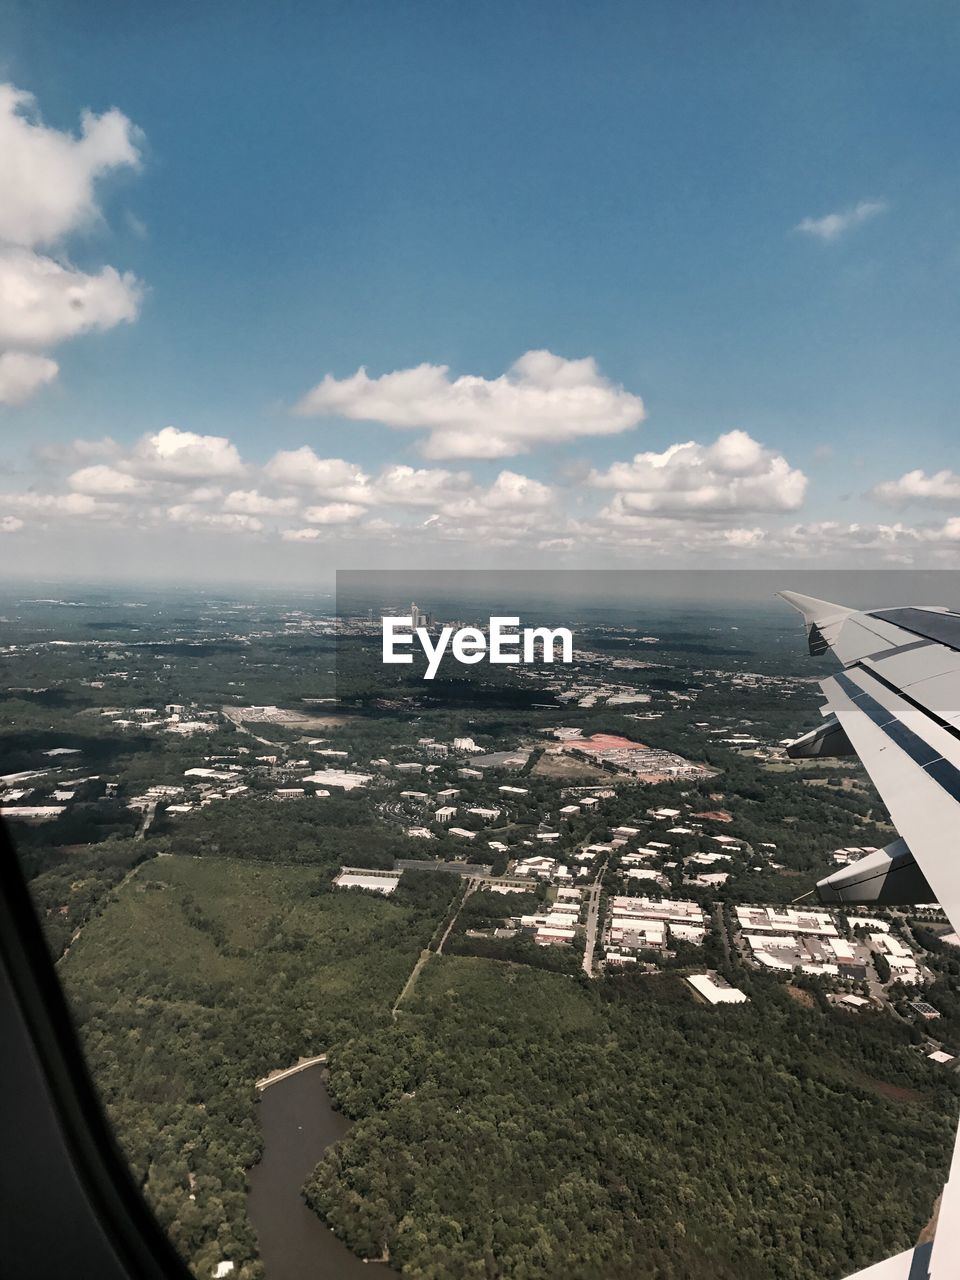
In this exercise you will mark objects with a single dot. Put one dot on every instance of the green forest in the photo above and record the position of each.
(202, 975)
(521, 1124)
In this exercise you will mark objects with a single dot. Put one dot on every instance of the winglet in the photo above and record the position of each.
(815, 611)
(823, 619)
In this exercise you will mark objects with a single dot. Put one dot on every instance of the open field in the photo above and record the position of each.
(564, 767)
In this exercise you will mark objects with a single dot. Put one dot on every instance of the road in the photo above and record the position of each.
(276, 1076)
(425, 955)
(148, 816)
(410, 982)
(471, 886)
(721, 927)
(115, 890)
(593, 913)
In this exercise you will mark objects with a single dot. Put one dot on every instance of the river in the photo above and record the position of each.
(298, 1125)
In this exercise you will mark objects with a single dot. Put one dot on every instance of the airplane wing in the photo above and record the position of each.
(896, 705)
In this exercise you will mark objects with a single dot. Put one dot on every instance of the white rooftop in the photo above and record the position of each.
(716, 994)
(338, 778)
(383, 882)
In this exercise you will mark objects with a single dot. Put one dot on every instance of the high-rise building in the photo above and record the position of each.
(420, 617)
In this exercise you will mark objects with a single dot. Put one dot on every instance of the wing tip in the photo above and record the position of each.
(814, 610)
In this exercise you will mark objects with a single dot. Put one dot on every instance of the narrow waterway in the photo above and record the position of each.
(298, 1125)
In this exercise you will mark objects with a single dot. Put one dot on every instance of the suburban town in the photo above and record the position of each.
(627, 824)
(617, 881)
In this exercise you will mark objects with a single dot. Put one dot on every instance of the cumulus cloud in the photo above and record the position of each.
(172, 454)
(734, 474)
(168, 457)
(852, 543)
(334, 513)
(541, 399)
(834, 225)
(10, 524)
(22, 373)
(172, 476)
(43, 303)
(418, 487)
(176, 477)
(300, 535)
(101, 480)
(59, 504)
(680, 507)
(681, 540)
(250, 502)
(495, 515)
(48, 179)
(510, 492)
(229, 522)
(302, 469)
(917, 486)
(396, 484)
(48, 176)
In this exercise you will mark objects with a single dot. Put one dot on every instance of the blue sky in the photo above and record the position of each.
(327, 186)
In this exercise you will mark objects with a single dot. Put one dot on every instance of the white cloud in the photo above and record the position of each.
(250, 502)
(47, 176)
(917, 486)
(338, 480)
(734, 474)
(302, 469)
(22, 373)
(334, 513)
(10, 524)
(834, 225)
(498, 515)
(204, 493)
(105, 481)
(681, 540)
(66, 504)
(176, 468)
(47, 181)
(510, 494)
(300, 535)
(168, 457)
(229, 522)
(423, 487)
(851, 544)
(541, 399)
(171, 454)
(43, 303)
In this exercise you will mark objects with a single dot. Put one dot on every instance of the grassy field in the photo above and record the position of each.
(338, 957)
